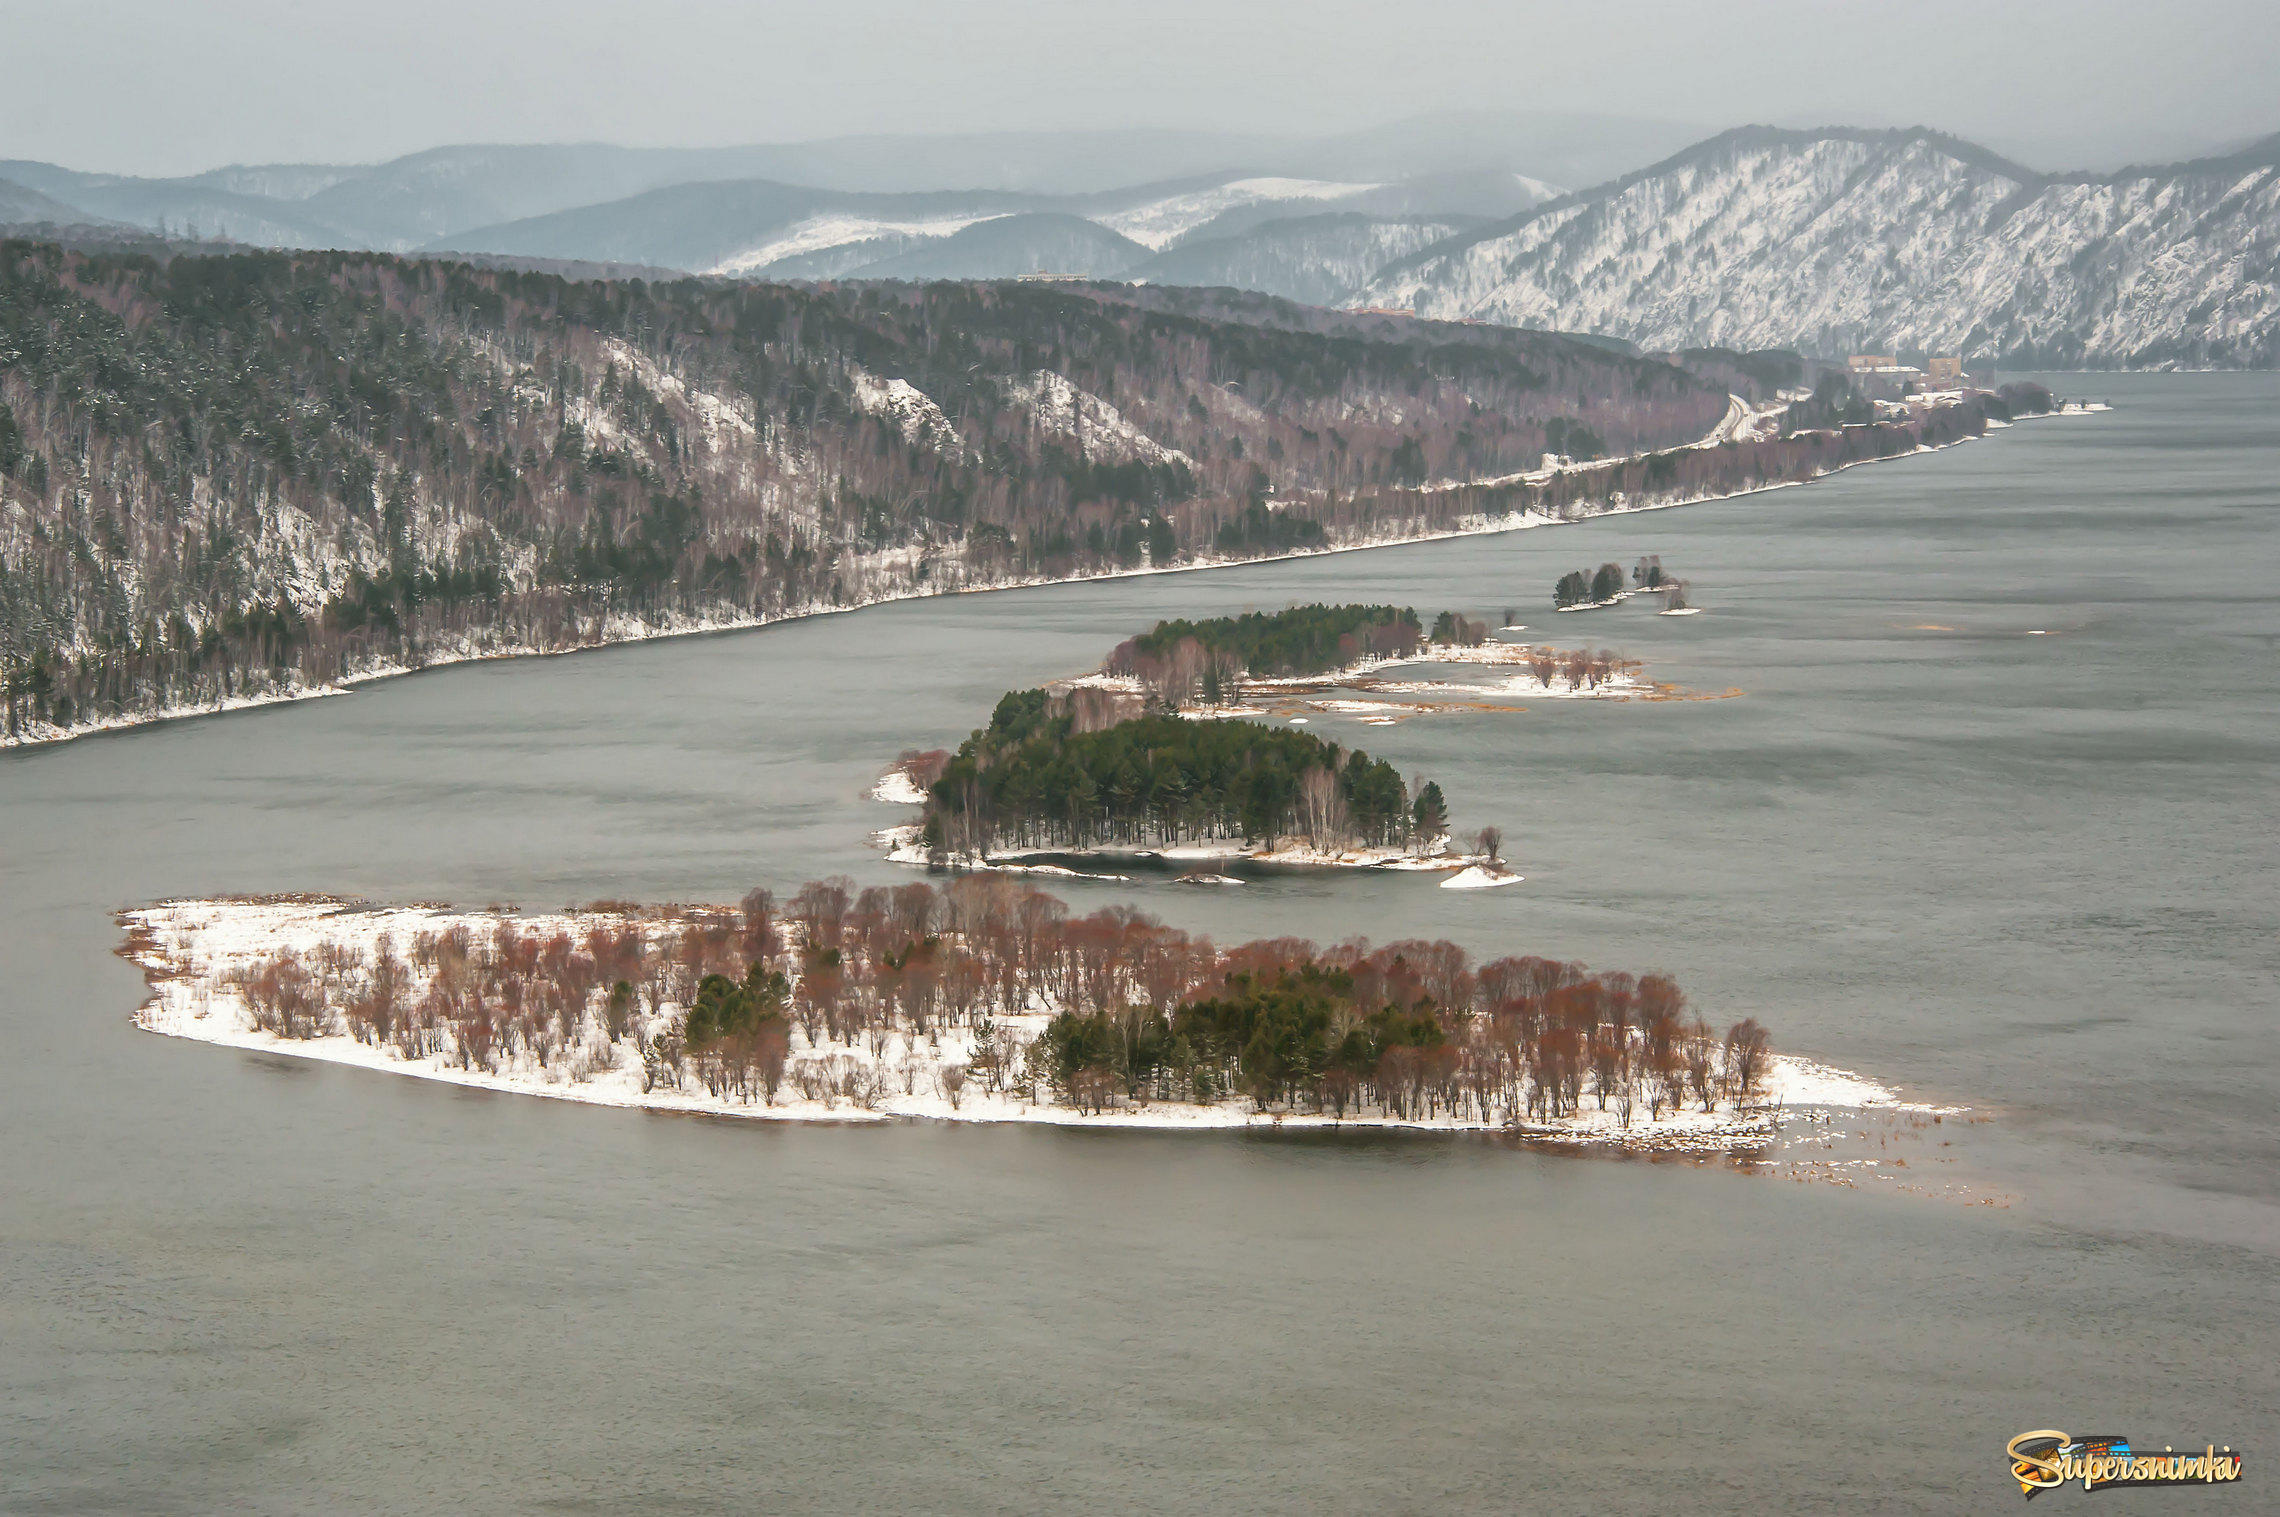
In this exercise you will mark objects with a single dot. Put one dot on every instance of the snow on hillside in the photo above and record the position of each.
(910, 409)
(1315, 260)
(1057, 406)
(1159, 223)
(1876, 242)
(815, 234)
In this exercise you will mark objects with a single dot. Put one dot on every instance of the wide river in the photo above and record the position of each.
(2037, 876)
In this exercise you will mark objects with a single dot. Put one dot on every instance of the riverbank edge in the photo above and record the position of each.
(1517, 521)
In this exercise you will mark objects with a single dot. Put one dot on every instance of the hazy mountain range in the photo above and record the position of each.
(1459, 162)
(1830, 241)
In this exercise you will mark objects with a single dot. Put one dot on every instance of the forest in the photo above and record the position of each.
(1178, 661)
(235, 474)
(1046, 774)
(987, 991)
(230, 476)
(1300, 640)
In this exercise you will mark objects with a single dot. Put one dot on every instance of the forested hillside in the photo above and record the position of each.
(1887, 242)
(226, 477)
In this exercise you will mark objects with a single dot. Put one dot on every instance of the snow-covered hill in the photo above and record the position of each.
(1316, 260)
(1907, 241)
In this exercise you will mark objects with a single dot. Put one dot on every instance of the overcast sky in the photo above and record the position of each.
(173, 86)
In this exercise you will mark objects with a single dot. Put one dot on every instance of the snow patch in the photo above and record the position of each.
(1057, 406)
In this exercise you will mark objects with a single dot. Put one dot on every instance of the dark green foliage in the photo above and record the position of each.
(1028, 780)
(1430, 815)
(1580, 589)
(1834, 404)
(1573, 439)
(1311, 639)
(1273, 1035)
(1454, 628)
(1259, 531)
(2025, 398)
(725, 1008)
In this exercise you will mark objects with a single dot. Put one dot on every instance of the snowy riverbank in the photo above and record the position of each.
(198, 954)
(626, 629)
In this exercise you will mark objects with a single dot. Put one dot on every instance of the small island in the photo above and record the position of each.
(1096, 772)
(984, 1000)
(1581, 591)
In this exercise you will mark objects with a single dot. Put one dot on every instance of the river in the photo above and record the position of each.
(2033, 875)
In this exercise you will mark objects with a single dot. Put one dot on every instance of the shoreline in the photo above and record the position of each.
(1515, 521)
(189, 950)
(901, 844)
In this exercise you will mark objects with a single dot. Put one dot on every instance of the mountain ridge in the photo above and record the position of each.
(1885, 240)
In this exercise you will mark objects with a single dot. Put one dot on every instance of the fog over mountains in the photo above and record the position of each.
(1829, 241)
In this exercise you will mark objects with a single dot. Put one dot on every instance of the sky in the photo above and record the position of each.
(175, 86)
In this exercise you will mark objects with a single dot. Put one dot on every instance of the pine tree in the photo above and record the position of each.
(1430, 814)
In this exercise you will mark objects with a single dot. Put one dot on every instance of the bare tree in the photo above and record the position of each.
(952, 1079)
(1746, 1052)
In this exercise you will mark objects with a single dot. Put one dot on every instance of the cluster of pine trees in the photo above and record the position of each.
(1180, 661)
(1032, 779)
(1300, 640)
(1576, 588)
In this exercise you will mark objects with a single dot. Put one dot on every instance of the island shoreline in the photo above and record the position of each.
(190, 951)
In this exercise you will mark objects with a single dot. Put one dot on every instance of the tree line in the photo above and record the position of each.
(228, 475)
(1296, 641)
(849, 995)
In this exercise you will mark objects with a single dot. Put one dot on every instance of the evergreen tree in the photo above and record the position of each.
(1430, 814)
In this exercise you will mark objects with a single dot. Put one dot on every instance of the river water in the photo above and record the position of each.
(2031, 875)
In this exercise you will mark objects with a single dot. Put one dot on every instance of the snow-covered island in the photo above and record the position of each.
(983, 1001)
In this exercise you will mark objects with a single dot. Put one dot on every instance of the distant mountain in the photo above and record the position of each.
(1889, 241)
(740, 227)
(180, 207)
(1827, 241)
(410, 201)
(436, 195)
(1475, 194)
(763, 229)
(1007, 246)
(1315, 260)
(23, 206)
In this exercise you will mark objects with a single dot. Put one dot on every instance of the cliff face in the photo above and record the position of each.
(1839, 242)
